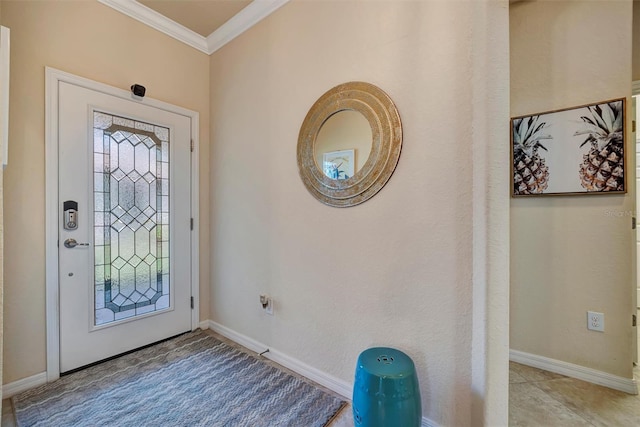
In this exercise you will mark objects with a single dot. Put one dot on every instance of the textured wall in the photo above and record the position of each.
(422, 266)
(572, 254)
(1, 275)
(93, 41)
(1, 259)
(636, 40)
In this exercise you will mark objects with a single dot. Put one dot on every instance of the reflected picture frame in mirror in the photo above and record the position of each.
(343, 144)
(386, 131)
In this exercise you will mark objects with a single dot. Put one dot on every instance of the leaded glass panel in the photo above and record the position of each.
(131, 205)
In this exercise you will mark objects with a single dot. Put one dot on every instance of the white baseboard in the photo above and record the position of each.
(11, 389)
(627, 385)
(337, 385)
(204, 324)
(341, 387)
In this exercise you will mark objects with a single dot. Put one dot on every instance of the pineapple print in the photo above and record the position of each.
(602, 167)
(530, 174)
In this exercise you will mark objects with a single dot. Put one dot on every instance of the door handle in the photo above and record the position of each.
(71, 243)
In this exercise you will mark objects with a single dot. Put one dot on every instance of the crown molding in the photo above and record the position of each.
(155, 20)
(255, 12)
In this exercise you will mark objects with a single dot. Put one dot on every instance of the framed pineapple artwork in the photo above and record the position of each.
(579, 150)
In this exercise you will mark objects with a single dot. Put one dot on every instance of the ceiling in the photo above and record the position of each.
(206, 25)
(200, 16)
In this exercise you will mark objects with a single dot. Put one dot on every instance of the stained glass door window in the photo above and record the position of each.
(131, 205)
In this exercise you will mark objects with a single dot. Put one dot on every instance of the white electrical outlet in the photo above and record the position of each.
(595, 321)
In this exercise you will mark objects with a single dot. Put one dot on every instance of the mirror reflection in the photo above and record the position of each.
(343, 144)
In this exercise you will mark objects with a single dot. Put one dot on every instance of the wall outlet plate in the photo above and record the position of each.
(267, 304)
(595, 321)
(269, 307)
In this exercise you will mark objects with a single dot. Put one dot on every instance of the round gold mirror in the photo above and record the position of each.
(349, 144)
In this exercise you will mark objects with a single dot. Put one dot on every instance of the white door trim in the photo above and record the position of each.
(52, 79)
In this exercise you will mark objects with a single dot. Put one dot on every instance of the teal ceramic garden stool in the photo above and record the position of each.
(386, 391)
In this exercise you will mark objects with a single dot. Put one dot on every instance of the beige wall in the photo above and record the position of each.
(1, 258)
(572, 254)
(1, 275)
(636, 40)
(414, 267)
(93, 41)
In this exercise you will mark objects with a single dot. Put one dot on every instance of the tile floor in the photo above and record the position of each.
(537, 398)
(344, 418)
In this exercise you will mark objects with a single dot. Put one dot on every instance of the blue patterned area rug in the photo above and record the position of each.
(190, 380)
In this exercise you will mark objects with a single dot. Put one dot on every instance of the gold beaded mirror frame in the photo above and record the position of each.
(386, 130)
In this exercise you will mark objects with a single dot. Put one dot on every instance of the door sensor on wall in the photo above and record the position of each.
(138, 90)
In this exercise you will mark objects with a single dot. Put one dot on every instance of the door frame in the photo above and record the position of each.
(53, 77)
(635, 91)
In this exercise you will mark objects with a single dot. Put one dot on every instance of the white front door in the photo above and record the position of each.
(124, 255)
